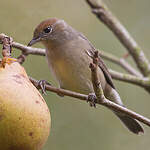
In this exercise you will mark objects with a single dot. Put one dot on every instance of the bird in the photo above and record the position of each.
(68, 55)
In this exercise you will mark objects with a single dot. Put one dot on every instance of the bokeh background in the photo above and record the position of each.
(74, 124)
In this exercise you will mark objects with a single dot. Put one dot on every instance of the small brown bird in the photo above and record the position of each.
(67, 53)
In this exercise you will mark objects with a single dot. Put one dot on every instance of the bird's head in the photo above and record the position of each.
(51, 30)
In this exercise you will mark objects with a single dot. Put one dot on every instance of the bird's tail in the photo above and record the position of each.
(132, 124)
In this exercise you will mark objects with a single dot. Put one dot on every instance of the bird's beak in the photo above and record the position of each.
(33, 41)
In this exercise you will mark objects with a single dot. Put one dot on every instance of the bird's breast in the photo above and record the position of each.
(71, 70)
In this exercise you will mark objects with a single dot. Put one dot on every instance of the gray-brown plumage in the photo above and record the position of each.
(66, 53)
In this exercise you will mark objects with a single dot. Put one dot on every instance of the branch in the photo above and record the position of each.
(29, 50)
(106, 103)
(7, 45)
(58, 90)
(95, 79)
(121, 62)
(22, 57)
(140, 81)
(25, 49)
(103, 13)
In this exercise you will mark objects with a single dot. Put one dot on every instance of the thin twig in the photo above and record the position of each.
(95, 80)
(22, 57)
(104, 14)
(140, 81)
(59, 91)
(7, 45)
(121, 62)
(29, 50)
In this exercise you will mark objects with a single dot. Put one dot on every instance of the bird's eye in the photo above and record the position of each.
(47, 30)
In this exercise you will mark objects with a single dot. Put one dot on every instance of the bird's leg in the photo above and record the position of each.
(92, 99)
(42, 85)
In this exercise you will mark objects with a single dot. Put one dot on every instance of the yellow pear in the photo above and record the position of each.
(24, 115)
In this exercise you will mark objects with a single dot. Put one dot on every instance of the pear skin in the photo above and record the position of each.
(24, 115)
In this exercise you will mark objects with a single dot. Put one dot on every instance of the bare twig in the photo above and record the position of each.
(107, 103)
(94, 74)
(59, 91)
(22, 57)
(29, 50)
(141, 81)
(121, 62)
(103, 13)
(7, 45)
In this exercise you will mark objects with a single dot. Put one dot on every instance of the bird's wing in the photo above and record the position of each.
(106, 72)
(101, 63)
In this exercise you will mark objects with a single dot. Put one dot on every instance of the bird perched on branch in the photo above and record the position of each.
(68, 54)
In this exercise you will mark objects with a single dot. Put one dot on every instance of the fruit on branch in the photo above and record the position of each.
(24, 115)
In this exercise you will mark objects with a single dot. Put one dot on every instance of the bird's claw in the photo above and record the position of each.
(42, 85)
(92, 100)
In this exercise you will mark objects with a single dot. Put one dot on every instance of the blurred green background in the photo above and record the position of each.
(74, 124)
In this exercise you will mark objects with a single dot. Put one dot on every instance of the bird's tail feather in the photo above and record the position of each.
(132, 124)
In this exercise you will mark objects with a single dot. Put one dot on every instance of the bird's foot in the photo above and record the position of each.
(92, 99)
(7, 60)
(42, 84)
